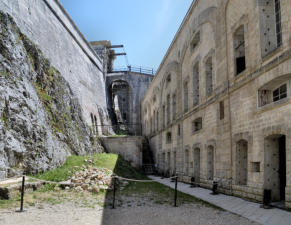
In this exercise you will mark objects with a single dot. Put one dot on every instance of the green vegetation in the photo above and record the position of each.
(73, 163)
(42, 94)
(118, 135)
(135, 193)
(5, 74)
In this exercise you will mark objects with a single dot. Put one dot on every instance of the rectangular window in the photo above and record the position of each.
(169, 137)
(195, 41)
(209, 76)
(239, 50)
(186, 97)
(197, 124)
(168, 109)
(164, 116)
(221, 110)
(196, 88)
(255, 167)
(280, 93)
(174, 106)
(179, 130)
(157, 118)
(270, 25)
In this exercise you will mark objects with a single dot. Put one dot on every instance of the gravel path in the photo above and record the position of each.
(147, 214)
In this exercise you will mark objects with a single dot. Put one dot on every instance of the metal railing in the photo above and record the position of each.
(143, 70)
(119, 129)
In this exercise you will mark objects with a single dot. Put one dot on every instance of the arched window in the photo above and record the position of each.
(241, 162)
(185, 96)
(209, 76)
(196, 84)
(174, 106)
(239, 50)
(210, 162)
(168, 108)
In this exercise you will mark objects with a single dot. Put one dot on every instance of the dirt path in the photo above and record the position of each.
(146, 214)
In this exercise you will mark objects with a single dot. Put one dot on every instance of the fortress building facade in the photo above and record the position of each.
(219, 106)
(218, 109)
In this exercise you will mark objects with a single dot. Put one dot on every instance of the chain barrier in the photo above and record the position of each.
(114, 177)
(15, 177)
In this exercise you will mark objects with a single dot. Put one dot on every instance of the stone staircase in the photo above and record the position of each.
(147, 158)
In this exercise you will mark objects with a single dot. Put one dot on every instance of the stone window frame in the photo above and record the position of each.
(195, 42)
(179, 130)
(168, 109)
(210, 54)
(243, 21)
(235, 49)
(187, 152)
(154, 98)
(169, 137)
(281, 93)
(168, 79)
(196, 87)
(186, 82)
(164, 115)
(278, 35)
(197, 125)
(265, 92)
(157, 120)
(221, 109)
(238, 160)
(174, 105)
(211, 143)
(248, 137)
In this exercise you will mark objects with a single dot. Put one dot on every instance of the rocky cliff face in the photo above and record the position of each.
(40, 119)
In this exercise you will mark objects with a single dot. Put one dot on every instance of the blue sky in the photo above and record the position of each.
(146, 28)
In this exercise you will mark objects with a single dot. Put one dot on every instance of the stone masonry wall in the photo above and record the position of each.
(232, 113)
(48, 25)
(130, 148)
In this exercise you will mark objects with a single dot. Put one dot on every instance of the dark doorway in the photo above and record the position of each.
(282, 166)
(275, 166)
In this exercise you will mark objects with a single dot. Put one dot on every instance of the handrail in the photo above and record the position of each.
(144, 70)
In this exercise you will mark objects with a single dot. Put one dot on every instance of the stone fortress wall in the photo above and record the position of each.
(137, 86)
(219, 105)
(47, 24)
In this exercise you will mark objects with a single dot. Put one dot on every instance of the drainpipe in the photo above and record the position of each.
(228, 95)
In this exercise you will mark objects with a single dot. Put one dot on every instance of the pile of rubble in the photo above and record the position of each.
(91, 179)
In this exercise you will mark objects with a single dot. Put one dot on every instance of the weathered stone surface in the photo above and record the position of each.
(47, 24)
(243, 129)
(41, 120)
(130, 148)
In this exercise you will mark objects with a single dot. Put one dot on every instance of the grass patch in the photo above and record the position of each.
(118, 135)
(134, 194)
(73, 163)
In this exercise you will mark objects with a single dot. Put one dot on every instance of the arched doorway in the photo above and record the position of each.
(241, 162)
(120, 106)
(197, 164)
(210, 162)
(275, 166)
(187, 162)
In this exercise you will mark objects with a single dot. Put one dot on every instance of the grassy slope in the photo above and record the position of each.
(152, 191)
(110, 161)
